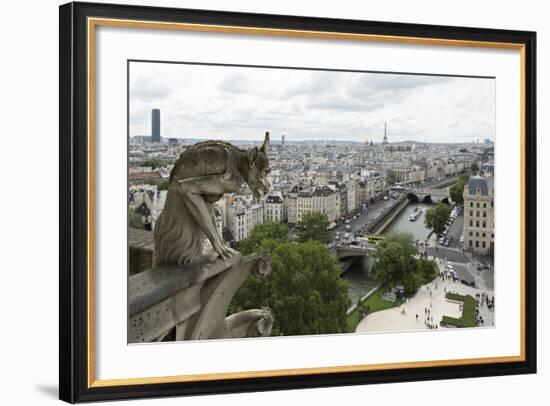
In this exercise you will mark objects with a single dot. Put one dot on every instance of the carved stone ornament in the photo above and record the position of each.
(187, 292)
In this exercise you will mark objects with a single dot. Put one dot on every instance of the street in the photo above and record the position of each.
(455, 231)
(365, 217)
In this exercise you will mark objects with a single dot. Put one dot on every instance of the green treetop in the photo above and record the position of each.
(436, 217)
(395, 263)
(457, 190)
(315, 227)
(261, 232)
(394, 258)
(304, 291)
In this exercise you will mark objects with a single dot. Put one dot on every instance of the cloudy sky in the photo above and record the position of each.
(231, 103)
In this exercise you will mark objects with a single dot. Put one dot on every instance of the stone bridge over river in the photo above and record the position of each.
(437, 192)
(429, 195)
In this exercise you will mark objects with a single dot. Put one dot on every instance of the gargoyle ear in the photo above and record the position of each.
(252, 156)
(265, 146)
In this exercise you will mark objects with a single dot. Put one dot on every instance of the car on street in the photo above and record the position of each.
(468, 282)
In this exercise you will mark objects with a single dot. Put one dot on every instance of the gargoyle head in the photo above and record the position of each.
(258, 168)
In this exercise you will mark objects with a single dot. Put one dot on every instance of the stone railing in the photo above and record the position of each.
(190, 302)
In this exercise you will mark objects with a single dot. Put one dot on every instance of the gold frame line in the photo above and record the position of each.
(93, 22)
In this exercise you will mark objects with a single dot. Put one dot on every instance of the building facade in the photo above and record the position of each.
(242, 216)
(479, 215)
(274, 208)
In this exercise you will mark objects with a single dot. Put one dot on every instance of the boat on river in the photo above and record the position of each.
(415, 214)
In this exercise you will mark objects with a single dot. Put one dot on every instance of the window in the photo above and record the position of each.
(484, 205)
(471, 244)
(477, 213)
(484, 224)
(477, 243)
(483, 235)
(477, 223)
(477, 205)
(477, 233)
(471, 204)
(471, 223)
(483, 244)
(471, 233)
(484, 213)
(471, 213)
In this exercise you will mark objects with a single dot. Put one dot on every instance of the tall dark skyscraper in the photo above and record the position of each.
(155, 125)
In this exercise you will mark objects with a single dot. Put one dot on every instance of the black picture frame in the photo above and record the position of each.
(74, 200)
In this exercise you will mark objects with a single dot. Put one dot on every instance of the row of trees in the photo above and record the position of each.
(436, 217)
(394, 263)
(305, 291)
(456, 191)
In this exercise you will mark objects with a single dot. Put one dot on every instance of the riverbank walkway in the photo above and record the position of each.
(430, 297)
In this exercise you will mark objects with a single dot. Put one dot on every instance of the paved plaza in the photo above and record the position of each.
(430, 297)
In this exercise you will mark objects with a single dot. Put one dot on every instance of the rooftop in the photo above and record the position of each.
(484, 184)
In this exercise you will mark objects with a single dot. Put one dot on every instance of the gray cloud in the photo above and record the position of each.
(241, 103)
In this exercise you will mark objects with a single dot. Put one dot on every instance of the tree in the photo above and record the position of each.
(411, 282)
(395, 262)
(427, 269)
(135, 220)
(261, 232)
(304, 291)
(394, 258)
(361, 309)
(406, 240)
(457, 190)
(314, 227)
(153, 163)
(474, 168)
(163, 185)
(388, 262)
(436, 217)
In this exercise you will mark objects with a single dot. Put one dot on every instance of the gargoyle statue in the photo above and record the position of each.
(200, 177)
